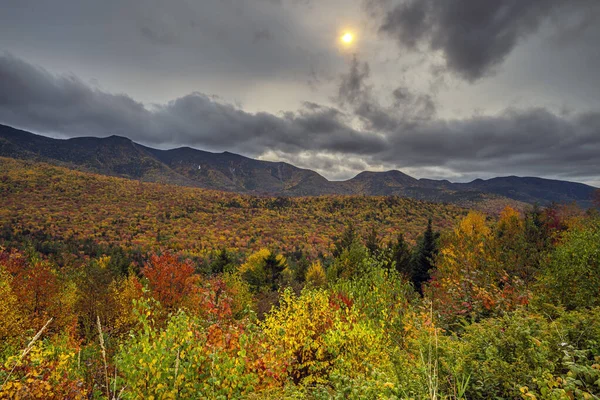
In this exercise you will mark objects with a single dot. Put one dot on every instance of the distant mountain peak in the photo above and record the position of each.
(120, 156)
(118, 137)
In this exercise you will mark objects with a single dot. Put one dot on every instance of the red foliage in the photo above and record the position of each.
(212, 300)
(339, 300)
(35, 285)
(170, 280)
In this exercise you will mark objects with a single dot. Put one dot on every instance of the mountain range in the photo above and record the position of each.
(120, 156)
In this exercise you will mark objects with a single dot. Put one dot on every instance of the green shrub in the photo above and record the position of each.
(572, 278)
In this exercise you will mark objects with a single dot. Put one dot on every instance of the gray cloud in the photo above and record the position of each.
(230, 47)
(262, 34)
(474, 36)
(523, 142)
(32, 98)
(406, 107)
(533, 142)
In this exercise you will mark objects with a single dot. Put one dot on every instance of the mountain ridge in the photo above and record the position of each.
(120, 156)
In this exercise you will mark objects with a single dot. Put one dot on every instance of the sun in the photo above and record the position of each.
(347, 38)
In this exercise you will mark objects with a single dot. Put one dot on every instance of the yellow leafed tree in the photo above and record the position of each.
(315, 275)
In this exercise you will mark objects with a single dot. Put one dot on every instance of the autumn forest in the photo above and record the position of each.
(113, 288)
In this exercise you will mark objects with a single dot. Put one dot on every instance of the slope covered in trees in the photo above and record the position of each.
(59, 203)
(469, 307)
(120, 156)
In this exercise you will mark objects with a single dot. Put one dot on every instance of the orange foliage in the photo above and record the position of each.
(35, 285)
(170, 280)
(64, 203)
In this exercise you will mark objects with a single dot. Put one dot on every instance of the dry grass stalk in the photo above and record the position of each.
(103, 348)
(26, 350)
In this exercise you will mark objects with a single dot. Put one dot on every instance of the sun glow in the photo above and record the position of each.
(347, 38)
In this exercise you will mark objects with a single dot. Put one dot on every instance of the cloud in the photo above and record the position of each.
(474, 36)
(406, 107)
(32, 98)
(523, 142)
(262, 34)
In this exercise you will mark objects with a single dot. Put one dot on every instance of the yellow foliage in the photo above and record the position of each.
(240, 291)
(103, 262)
(315, 275)
(510, 221)
(10, 318)
(255, 261)
(473, 225)
(318, 335)
(47, 372)
(124, 292)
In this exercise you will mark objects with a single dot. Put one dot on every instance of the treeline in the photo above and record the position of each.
(505, 307)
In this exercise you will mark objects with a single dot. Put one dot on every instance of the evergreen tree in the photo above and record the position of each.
(372, 243)
(423, 257)
(301, 267)
(401, 254)
(273, 269)
(537, 236)
(344, 243)
(221, 262)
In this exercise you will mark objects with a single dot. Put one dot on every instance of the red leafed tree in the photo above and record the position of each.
(169, 279)
(35, 285)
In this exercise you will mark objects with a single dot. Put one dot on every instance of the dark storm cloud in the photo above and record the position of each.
(474, 36)
(32, 98)
(535, 141)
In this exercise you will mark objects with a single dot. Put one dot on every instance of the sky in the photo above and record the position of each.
(441, 89)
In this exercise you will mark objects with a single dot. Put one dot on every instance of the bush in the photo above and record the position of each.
(187, 359)
(572, 278)
(319, 334)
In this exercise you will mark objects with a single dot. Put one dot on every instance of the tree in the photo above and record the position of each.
(274, 266)
(95, 299)
(263, 269)
(35, 284)
(169, 279)
(475, 270)
(344, 243)
(401, 255)
(222, 262)
(11, 325)
(373, 243)
(349, 263)
(315, 275)
(300, 268)
(426, 250)
(572, 277)
(536, 232)
(510, 245)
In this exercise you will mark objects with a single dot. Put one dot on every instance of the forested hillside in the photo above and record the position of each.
(112, 288)
(185, 166)
(62, 204)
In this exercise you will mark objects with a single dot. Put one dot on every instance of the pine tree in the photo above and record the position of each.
(220, 263)
(301, 268)
(423, 258)
(344, 243)
(537, 236)
(401, 255)
(372, 243)
(273, 268)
